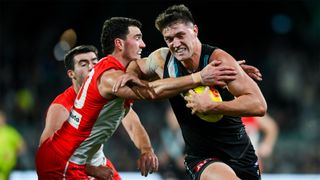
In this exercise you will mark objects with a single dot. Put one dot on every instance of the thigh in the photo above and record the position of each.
(48, 164)
(195, 165)
(217, 170)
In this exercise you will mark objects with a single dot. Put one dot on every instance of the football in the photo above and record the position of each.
(215, 97)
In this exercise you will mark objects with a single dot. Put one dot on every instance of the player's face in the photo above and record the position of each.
(181, 39)
(83, 63)
(133, 44)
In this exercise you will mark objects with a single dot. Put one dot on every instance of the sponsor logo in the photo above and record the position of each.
(74, 118)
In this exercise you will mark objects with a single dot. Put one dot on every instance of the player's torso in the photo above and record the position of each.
(202, 137)
(93, 119)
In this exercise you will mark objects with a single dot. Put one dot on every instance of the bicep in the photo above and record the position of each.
(243, 84)
(56, 115)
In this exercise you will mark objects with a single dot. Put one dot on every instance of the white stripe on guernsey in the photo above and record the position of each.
(65, 170)
(79, 103)
(107, 122)
(172, 69)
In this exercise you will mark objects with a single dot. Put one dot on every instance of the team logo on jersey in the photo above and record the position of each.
(74, 118)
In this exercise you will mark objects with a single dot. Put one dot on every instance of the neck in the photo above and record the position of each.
(124, 61)
(192, 63)
(76, 86)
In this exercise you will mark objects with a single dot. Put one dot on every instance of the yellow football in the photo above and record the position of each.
(215, 97)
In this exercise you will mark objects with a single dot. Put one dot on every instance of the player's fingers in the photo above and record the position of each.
(220, 83)
(115, 87)
(226, 68)
(206, 90)
(155, 164)
(256, 77)
(191, 91)
(241, 61)
(188, 98)
(189, 105)
(215, 62)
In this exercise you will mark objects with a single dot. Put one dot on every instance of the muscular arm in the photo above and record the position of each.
(148, 161)
(136, 131)
(249, 100)
(153, 67)
(56, 115)
(152, 90)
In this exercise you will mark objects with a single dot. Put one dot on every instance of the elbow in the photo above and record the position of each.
(261, 109)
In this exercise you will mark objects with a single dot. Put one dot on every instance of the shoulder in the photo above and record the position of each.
(226, 58)
(159, 54)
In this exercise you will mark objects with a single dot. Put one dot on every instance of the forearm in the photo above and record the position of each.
(142, 141)
(137, 132)
(246, 105)
(172, 86)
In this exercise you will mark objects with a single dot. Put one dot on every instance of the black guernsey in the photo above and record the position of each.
(225, 139)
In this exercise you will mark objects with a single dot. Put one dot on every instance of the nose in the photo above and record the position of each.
(176, 42)
(91, 65)
(142, 44)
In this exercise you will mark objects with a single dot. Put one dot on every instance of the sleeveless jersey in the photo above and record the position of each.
(93, 119)
(225, 139)
(66, 99)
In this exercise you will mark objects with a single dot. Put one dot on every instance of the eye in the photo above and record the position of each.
(83, 64)
(138, 38)
(168, 40)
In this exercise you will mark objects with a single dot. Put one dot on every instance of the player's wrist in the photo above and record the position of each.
(146, 149)
(196, 78)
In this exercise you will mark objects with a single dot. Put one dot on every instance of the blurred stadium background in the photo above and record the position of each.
(280, 37)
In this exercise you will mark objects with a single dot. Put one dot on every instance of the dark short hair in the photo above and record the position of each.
(116, 27)
(69, 57)
(173, 14)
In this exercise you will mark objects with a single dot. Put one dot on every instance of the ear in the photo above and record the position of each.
(118, 43)
(195, 29)
(70, 74)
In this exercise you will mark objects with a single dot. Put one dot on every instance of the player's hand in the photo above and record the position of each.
(100, 172)
(127, 79)
(200, 103)
(214, 74)
(148, 163)
(252, 71)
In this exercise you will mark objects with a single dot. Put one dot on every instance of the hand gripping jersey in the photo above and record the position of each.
(92, 121)
(225, 139)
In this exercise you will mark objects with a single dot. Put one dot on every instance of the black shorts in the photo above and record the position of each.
(196, 165)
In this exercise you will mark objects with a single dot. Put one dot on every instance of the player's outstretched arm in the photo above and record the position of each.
(152, 67)
(148, 161)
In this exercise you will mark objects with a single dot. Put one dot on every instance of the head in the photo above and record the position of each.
(121, 34)
(79, 61)
(176, 24)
